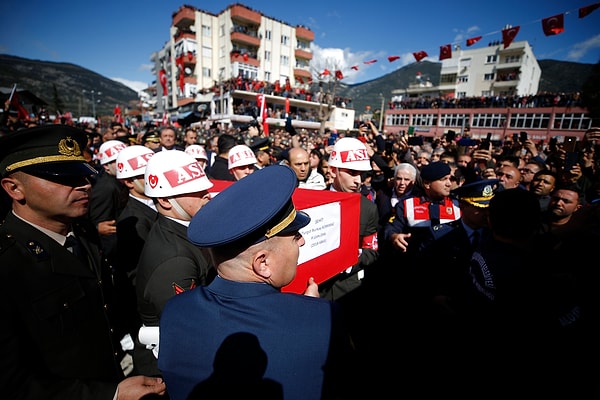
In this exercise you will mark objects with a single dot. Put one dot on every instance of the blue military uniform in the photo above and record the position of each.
(248, 339)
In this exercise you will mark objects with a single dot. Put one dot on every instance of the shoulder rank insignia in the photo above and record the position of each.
(36, 249)
(178, 289)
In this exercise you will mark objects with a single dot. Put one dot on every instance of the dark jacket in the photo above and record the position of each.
(58, 343)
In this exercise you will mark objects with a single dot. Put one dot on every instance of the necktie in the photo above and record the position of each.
(72, 244)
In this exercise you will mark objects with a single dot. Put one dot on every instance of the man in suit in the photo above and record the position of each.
(243, 338)
(58, 339)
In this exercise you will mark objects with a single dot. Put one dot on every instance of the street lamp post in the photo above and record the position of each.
(93, 93)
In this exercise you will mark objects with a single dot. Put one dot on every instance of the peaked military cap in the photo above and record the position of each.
(51, 150)
(245, 213)
(478, 193)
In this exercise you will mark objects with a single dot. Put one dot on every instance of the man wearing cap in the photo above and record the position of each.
(262, 152)
(241, 161)
(133, 225)
(169, 264)
(151, 139)
(243, 337)
(199, 153)
(109, 197)
(348, 161)
(425, 216)
(58, 337)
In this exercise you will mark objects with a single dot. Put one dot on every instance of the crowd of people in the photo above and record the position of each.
(123, 277)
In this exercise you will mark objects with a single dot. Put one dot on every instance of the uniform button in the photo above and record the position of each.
(66, 305)
(105, 307)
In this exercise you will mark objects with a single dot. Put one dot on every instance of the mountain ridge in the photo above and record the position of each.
(49, 80)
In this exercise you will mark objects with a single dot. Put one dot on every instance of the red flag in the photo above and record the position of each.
(354, 67)
(162, 77)
(445, 52)
(15, 103)
(245, 56)
(370, 61)
(325, 72)
(393, 58)
(299, 79)
(419, 55)
(509, 34)
(473, 40)
(180, 67)
(190, 55)
(287, 105)
(338, 74)
(587, 10)
(553, 25)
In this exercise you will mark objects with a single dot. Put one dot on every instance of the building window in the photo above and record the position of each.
(285, 40)
(222, 30)
(463, 79)
(267, 55)
(206, 52)
(481, 120)
(267, 34)
(491, 59)
(206, 31)
(424, 120)
(453, 120)
(267, 76)
(529, 121)
(488, 77)
(512, 59)
(205, 72)
(285, 60)
(221, 51)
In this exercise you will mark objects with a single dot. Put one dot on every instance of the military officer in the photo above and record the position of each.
(57, 336)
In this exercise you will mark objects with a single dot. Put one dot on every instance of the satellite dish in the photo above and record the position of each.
(188, 70)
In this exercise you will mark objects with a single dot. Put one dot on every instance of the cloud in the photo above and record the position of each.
(134, 85)
(580, 49)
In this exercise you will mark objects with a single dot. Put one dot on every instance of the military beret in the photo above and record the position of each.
(244, 213)
(434, 171)
(478, 193)
(49, 150)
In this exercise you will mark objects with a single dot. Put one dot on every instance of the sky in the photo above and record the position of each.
(117, 38)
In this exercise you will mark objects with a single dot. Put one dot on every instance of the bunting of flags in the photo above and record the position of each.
(551, 26)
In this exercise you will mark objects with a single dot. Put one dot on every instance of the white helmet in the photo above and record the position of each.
(170, 173)
(132, 161)
(241, 155)
(196, 151)
(350, 153)
(109, 150)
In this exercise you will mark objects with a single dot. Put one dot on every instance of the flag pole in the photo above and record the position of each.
(12, 92)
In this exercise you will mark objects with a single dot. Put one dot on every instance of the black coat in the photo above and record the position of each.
(57, 342)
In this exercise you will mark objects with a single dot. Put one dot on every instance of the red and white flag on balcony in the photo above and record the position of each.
(419, 55)
(445, 52)
(587, 10)
(553, 25)
(162, 77)
(473, 40)
(509, 34)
